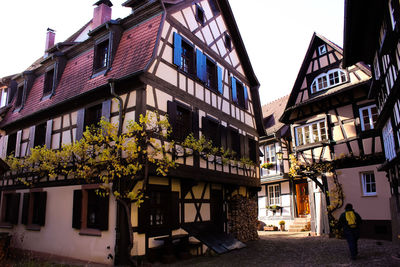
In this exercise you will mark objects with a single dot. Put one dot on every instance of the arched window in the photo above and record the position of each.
(327, 80)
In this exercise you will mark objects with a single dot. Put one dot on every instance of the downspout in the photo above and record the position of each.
(117, 249)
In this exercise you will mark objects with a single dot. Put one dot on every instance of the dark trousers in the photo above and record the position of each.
(352, 238)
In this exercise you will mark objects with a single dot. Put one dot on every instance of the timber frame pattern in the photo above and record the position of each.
(140, 75)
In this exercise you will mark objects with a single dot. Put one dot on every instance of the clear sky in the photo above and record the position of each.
(276, 33)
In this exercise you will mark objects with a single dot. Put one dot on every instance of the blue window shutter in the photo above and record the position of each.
(199, 64)
(177, 49)
(204, 68)
(234, 93)
(220, 86)
(246, 98)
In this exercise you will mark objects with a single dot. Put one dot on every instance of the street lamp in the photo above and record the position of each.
(279, 155)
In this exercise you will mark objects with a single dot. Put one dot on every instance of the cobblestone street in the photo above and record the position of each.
(299, 249)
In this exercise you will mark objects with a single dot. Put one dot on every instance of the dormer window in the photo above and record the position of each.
(20, 94)
(200, 15)
(228, 42)
(101, 55)
(327, 80)
(3, 96)
(322, 50)
(48, 83)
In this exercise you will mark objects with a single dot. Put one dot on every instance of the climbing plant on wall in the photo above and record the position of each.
(318, 172)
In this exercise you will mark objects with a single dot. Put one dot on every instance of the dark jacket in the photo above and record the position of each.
(343, 222)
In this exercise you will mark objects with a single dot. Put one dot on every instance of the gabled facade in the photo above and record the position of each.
(184, 59)
(332, 118)
(275, 200)
(374, 25)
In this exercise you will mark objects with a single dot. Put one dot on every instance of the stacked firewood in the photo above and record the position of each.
(242, 218)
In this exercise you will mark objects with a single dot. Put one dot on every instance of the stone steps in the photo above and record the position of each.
(299, 224)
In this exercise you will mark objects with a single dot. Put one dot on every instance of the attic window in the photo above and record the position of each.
(327, 80)
(20, 93)
(322, 50)
(101, 56)
(48, 83)
(3, 96)
(228, 42)
(200, 14)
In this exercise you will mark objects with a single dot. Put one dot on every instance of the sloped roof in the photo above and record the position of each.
(271, 114)
(133, 55)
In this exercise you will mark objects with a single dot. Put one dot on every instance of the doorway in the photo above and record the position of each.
(303, 203)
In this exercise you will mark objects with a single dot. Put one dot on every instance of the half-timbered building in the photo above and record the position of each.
(371, 35)
(332, 118)
(181, 58)
(275, 201)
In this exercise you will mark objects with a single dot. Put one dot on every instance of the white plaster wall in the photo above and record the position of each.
(57, 235)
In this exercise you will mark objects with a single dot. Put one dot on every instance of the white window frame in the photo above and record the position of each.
(315, 87)
(371, 122)
(396, 115)
(391, 12)
(275, 199)
(388, 141)
(3, 96)
(364, 183)
(322, 50)
(270, 153)
(312, 139)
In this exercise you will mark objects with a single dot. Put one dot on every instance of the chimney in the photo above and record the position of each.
(50, 37)
(101, 13)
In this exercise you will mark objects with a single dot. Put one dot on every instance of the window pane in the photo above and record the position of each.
(307, 134)
(299, 132)
(322, 130)
(334, 78)
(315, 136)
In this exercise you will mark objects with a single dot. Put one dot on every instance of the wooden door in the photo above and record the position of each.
(303, 204)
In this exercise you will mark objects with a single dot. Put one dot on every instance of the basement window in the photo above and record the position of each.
(34, 210)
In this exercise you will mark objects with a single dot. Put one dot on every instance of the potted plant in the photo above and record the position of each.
(268, 165)
(282, 225)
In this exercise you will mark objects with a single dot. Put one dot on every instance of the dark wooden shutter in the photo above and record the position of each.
(15, 207)
(18, 144)
(77, 210)
(220, 84)
(49, 131)
(144, 216)
(80, 124)
(42, 207)
(224, 137)
(103, 207)
(195, 123)
(234, 90)
(177, 49)
(171, 109)
(174, 212)
(25, 208)
(246, 97)
(205, 128)
(106, 109)
(31, 142)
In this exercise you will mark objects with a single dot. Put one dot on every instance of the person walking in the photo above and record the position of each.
(350, 221)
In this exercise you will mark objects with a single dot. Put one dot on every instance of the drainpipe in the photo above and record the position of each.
(117, 249)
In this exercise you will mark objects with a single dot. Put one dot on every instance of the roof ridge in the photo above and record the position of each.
(278, 99)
